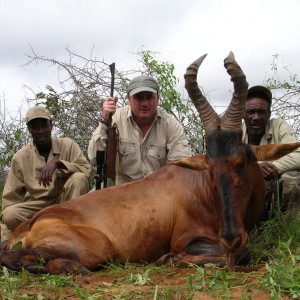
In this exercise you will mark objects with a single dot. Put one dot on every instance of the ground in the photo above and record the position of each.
(147, 282)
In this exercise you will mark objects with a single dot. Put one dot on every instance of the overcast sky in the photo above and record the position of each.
(180, 31)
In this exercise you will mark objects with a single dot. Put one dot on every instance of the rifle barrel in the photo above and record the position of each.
(112, 87)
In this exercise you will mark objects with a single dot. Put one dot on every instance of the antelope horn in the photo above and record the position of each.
(232, 118)
(209, 117)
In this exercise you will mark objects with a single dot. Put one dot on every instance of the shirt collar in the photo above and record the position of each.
(54, 146)
(266, 136)
(269, 130)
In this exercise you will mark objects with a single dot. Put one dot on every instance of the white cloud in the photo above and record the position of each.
(180, 30)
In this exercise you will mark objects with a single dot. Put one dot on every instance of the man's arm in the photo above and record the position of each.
(14, 188)
(284, 135)
(99, 136)
(97, 142)
(177, 145)
(73, 160)
(48, 170)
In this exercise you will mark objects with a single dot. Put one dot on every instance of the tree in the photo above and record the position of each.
(76, 109)
(172, 101)
(286, 94)
(85, 82)
(13, 136)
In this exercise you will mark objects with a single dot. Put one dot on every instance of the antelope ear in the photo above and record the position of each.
(197, 162)
(273, 151)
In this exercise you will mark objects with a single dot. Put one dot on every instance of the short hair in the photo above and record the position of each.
(262, 92)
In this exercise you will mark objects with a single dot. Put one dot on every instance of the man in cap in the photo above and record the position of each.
(260, 129)
(147, 136)
(46, 171)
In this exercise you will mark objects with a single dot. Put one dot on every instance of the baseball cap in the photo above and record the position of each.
(143, 83)
(260, 91)
(37, 112)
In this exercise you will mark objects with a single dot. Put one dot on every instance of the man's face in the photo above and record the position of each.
(256, 116)
(40, 130)
(143, 105)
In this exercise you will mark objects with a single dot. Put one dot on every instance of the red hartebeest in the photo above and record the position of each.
(196, 210)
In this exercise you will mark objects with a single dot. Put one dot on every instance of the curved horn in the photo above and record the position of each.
(209, 117)
(232, 118)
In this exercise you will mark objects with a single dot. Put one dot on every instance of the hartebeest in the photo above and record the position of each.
(196, 210)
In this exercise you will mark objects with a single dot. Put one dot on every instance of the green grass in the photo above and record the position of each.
(282, 231)
(279, 279)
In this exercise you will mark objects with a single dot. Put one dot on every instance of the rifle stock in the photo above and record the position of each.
(111, 154)
(100, 164)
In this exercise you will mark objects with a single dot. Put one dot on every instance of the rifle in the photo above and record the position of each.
(106, 159)
(99, 175)
(110, 151)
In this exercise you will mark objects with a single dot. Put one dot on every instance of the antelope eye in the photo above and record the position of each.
(239, 166)
(238, 169)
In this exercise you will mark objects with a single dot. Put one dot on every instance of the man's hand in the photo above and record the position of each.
(48, 170)
(109, 107)
(269, 170)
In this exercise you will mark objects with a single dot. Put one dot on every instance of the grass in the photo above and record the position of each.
(277, 278)
(275, 282)
(282, 231)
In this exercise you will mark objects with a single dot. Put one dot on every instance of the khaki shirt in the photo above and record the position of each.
(26, 166)
(139, 156)
(279, 132)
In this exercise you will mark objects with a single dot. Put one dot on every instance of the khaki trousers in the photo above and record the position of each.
(77, 184)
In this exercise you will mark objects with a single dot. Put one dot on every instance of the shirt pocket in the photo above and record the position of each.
(157, 152)
(157, 156)
(126, 149)
(128, 155)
